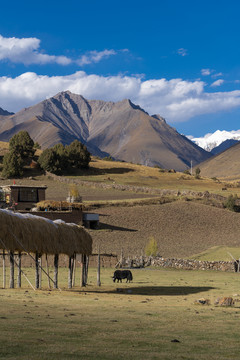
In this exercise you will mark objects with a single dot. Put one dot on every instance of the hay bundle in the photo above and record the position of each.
(36, 234)
(57, 205)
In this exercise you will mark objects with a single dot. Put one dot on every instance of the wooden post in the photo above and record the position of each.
(121, 260)
(74, 270)
(37, 270)
(98, 268)
(83, 270)
(19, 279)
(86, 272)
(56, 257)
(70, 272)
(11, 259)
(40, 271)
(49, 284)
(4, 270)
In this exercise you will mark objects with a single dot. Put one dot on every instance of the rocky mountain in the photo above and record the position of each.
(122, 129)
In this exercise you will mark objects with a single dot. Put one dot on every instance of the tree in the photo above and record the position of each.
(197, 173)
(22, 145)
(12, 165)
(60, 157)
(151, 248)
(77, 154)
(50, 161)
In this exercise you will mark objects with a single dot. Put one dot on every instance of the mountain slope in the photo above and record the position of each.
(121, 129)
(224, 165)
(224, 146)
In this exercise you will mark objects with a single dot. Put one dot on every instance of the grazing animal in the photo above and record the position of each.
(122, 274)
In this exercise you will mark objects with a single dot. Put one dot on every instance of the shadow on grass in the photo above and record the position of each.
(153, 290)
(103, 226)
(97, 171)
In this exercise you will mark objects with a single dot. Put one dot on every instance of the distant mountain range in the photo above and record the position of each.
(122, 130)
(211, 142)
(5, 112)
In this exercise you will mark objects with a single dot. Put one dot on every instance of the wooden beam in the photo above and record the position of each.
(37, 270)
(70, 272)
(19, 242)
(56, 257)
(74, 270)
(40, 271)
(83, 283)
(4, 270)
(11, 259)
(17, 265)
(19, 279)
(98, 268)
(49, 284)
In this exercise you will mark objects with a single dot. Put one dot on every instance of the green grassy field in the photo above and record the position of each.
(123, 321)
(218, 253)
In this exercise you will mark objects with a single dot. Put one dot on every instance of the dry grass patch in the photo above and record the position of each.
(140, 322)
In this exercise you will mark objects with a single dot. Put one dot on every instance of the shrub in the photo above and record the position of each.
(230, 203)
(73, 191)
(197, 173)
(151, 248)
(108, 158)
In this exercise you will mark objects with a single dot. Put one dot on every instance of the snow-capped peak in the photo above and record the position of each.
(210, 141)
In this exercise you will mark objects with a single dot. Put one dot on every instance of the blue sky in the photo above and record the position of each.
(176, 58)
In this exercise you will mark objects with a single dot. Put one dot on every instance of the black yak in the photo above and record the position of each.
(122, 274)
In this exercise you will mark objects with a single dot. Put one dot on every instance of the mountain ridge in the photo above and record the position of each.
(122, 129)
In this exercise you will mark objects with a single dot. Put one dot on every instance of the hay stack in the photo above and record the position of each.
(32, 233)
(56, 205)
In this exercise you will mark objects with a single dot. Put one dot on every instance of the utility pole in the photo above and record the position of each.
(191, 167)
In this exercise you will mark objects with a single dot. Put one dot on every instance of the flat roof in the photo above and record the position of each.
(24, 186)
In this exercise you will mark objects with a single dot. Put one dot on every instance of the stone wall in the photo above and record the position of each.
(137, 189)
(73, 216)
(177, 263)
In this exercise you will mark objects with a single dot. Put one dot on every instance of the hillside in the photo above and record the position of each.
(223, 165)
(122, 129)
(180, 228)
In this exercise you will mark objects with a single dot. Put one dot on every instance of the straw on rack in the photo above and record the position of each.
(36, 234)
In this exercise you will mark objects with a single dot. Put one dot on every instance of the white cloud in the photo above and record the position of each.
(214, 76)
(182, 52)
(176, 99)
(206, 72)
(95, 56)
(26, 51)
(218, 82)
